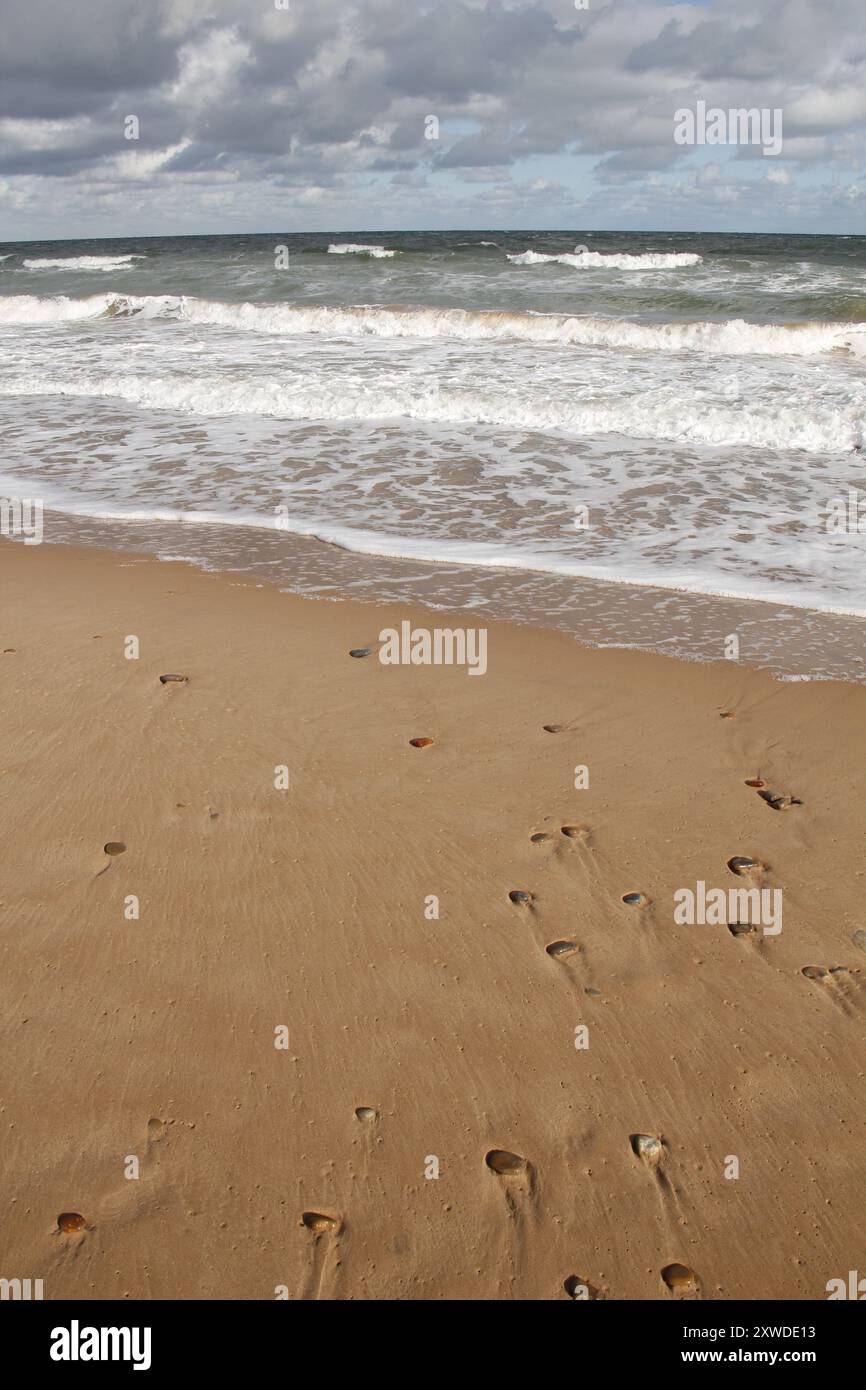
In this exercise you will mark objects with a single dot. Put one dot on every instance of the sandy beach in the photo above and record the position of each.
(276, 1042)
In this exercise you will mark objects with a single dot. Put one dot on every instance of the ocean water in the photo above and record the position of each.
(638, 437)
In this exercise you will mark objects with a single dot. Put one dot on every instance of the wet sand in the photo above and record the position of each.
(152, 1044)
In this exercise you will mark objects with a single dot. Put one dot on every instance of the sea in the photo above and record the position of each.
(648, 440)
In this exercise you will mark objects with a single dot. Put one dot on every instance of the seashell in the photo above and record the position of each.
(561, 948)
(647, 1147)
(580, 1289)
(680, 1279)
(742, 865)
(69, 1221)
(318, 1222)
(780, 803)
(504, 1163)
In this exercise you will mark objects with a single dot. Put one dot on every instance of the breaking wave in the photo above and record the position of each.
(598, 260)
(83, 263)
(651, 414)
(733, 337)
(351, 248)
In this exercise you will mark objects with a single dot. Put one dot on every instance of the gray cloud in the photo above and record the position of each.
(330, 99)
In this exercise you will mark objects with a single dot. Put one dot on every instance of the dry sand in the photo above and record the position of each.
(154, 1039)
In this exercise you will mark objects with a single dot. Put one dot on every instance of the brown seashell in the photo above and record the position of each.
(581, 1289)
(321, 1224)
(680, 1279)
(504, 1163)
(420, 742)
(69, 1221)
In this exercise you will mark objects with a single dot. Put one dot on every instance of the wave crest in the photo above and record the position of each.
(646, 415)
(599, 260)
(732, 337)
(351, 248)
(82, 262)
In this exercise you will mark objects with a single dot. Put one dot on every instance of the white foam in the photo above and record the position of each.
(53, 308)
(350, 248)
(599, 260)
(767, 424)
(472, 554)
(733, 337)
(83, 263)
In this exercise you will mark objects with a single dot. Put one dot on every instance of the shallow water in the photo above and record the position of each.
(627, 442)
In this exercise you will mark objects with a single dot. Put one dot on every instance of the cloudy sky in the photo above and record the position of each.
(297, 115)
